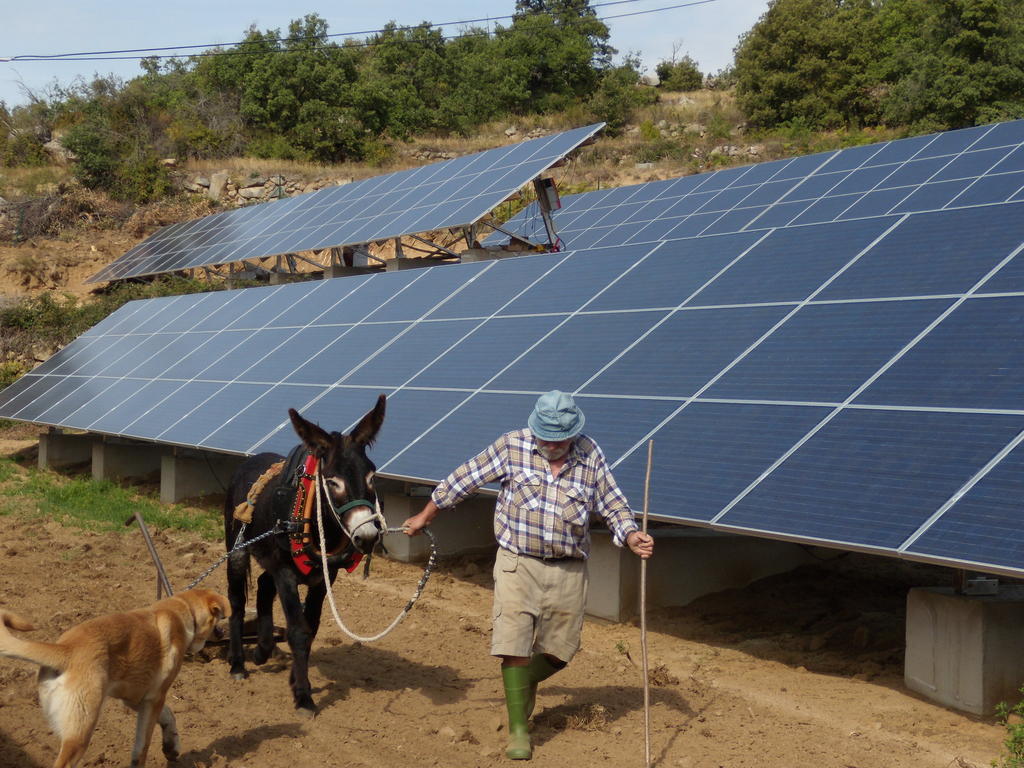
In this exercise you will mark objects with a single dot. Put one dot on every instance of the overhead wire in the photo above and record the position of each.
(147, 53)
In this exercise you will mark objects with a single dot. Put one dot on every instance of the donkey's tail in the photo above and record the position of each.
(44, 654)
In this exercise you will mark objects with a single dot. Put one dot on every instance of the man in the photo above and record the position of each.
(552, 478)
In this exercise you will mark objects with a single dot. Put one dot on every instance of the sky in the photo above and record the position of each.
(706, 30)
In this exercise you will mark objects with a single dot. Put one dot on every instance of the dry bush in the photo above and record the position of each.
(660, 676)
(590, 717)
(147, 219)
(72, 208)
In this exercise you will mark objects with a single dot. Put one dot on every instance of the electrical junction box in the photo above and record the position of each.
(981, 586)
(547, 188)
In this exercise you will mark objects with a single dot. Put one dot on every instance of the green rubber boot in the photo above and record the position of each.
(540, 670)
(517, 691)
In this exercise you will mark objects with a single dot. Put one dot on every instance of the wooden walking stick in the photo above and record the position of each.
(643, 619)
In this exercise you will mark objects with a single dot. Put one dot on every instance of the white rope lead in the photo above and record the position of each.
(330, 590)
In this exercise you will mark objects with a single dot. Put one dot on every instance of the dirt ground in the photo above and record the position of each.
(802, 670)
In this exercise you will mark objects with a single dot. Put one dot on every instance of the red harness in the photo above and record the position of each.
(302, 547)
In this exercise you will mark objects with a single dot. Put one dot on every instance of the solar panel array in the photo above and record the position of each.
(973, 166)
(853, 383)
(453, 193)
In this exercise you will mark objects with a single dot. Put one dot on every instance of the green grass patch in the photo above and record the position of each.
(7, 470)
(100, 505)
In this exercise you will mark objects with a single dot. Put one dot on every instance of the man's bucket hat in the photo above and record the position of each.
(555, 417)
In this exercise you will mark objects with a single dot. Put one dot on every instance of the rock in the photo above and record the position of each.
(447, 732)
(643, 166)
(251, 193)
(169, 162)
(512, 131)
(218, 183)
(57, 151)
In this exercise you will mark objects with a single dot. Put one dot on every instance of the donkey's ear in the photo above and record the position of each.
(366, 430)
(314, 438)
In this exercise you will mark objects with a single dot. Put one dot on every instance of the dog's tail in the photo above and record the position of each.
(44, 654)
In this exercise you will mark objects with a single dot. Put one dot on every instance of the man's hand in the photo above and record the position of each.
(417, 523)
(641, 544)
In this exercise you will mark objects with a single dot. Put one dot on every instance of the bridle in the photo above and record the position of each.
(300, 523)
(338, 512)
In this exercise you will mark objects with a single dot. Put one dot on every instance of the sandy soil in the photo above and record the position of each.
(802, 670)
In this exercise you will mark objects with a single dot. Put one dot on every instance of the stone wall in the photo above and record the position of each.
(222, 187)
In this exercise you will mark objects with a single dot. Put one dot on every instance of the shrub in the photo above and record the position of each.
(1014, 742)
(682, 75)
(618, 97)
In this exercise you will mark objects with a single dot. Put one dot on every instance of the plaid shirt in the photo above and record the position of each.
(538, 514)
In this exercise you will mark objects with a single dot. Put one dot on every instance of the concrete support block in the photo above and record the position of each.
(466, 530)
(114, 460)
(183, 476)
(688, 563)
(58, 450)
(344, 271)
(395, 265)
(963, 651)
(489, 254)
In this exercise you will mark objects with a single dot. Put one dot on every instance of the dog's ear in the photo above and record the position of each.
(218, 606)
(12, 621)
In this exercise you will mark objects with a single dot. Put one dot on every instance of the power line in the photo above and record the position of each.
(114, 55)
(60, 56)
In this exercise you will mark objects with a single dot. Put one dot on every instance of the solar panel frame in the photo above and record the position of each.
(454, 193)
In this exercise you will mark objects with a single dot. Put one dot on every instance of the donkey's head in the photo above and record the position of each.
(348, 475)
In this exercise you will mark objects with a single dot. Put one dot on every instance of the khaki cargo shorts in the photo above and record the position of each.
(538, 605)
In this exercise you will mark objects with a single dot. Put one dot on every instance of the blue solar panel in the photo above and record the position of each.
(974, 530)
(685, 351)
(710, 452)
(790, 264)
(450, 194)
(854, 382)
(825, 351)
(934, 253)
(931, 172)
(970, 360)
(872, 478)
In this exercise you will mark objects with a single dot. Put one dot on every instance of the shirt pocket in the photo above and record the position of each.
(574, 505)
(525, 490)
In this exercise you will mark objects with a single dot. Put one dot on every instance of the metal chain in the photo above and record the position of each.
(431, 564)
(239, 544)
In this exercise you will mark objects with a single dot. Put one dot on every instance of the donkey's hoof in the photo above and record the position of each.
(239, 674)
(304, 705)
(260, 656)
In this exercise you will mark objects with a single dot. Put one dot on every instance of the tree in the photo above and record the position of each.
(557, 50)
(807, 60)
(932, 64)
(619, 96)
(962, 65)
(681, 75)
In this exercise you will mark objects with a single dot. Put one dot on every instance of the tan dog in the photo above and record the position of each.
(133, 656)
